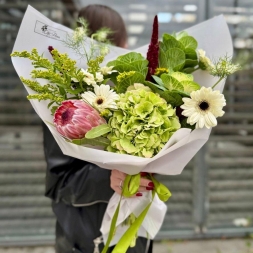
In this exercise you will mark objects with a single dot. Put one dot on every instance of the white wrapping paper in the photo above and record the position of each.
(37, 31)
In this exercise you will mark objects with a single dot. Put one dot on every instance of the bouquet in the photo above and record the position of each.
(126, 111)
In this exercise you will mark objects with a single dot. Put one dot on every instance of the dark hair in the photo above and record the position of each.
(99, 16)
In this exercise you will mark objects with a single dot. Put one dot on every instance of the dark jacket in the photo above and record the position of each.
(80, 192)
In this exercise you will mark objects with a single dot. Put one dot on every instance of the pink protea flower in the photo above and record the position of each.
(74, 118)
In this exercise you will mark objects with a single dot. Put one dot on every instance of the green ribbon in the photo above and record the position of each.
(130, 188)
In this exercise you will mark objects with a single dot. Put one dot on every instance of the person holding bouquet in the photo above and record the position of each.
(81, 190)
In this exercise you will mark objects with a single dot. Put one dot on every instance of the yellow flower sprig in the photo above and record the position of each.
(34, 56)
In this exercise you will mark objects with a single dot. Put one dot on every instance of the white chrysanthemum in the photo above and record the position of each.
(102, 97)
(205, 62)
(88, 77)
(99, 77)
(107, 70)
(204, 106)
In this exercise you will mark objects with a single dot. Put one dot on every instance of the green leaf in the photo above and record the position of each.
(183, 93)
(131, 57)
(188, 70)
(98, 131)
(127, 238)
(184, 124)
(190, 86)
(75, 91)
(182, 76)
(62, 91)
(53, 109)
(130, 62)
(162, 191)
(171, 42)
(181, 35)
(113, 227)
(48, 106)
(173, 59)
(190, 63)
(130, 80)
(99, 141)
(189, 42)
(154, 87)
(131, 185)
(158, 80)
(190, 54)
(172, 97)
(171, 83)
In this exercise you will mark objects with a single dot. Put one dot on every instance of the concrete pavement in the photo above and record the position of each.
(195, 246)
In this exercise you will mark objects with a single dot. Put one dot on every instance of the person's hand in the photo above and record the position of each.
(117, 182)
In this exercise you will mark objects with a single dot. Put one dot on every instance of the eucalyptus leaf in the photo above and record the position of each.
(98, 131)
(100, 141)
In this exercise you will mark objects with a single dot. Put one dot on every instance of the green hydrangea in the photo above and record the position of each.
(143, 123)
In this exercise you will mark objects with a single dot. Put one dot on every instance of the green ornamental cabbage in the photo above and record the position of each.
(143, 123)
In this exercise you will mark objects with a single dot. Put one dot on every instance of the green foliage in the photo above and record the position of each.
(99, 141)
(98, 131)
(132, 68)
(59, 74)
(173, 87)
(88, 48)
(130, 62)
(125, 79)
(178, 52)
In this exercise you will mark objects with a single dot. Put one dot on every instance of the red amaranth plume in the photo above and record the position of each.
(50, 49)
(153, 50)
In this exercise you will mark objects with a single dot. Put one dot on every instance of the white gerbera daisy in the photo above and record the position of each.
(107, 70)
(101, 98)
(204, 106)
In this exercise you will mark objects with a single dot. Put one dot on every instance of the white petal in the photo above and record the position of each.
(210, 120)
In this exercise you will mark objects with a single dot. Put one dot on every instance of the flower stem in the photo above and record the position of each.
(217, 82)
